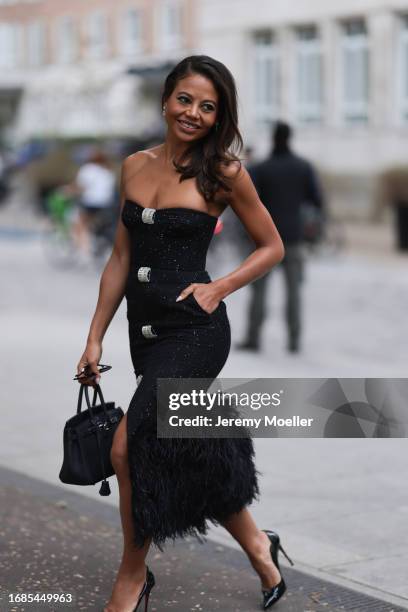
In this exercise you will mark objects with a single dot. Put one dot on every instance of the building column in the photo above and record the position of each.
(383, 67)
(288, 73)
(331, 73)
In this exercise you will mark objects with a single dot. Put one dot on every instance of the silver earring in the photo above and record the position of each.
(164, 110)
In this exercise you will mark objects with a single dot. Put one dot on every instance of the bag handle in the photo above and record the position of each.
(97, 391)
(80, 396)
(81, 393)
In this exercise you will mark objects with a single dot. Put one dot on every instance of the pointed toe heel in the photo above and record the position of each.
(272, 596)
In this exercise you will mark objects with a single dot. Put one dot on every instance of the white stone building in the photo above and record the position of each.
(69, 68)
(336, 70)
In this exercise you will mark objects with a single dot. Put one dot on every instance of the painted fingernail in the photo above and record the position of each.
(179, 298)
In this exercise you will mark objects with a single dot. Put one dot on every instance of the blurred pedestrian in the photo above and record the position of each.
(4, 177)
(393, 183)
(95, 188)
(285, 182)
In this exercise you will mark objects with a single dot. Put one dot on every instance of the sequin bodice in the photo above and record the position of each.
(168, 249)
(168, 238)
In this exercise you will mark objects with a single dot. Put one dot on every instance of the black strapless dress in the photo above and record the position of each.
(177, 484)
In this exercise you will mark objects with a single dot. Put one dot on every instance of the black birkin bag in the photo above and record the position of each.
(88, 438)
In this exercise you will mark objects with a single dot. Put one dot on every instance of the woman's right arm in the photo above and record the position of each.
(111, 291)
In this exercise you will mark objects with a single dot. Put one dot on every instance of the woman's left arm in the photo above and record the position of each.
(254, 216)
(269, 249)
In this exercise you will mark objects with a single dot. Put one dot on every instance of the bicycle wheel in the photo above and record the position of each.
(58, 248)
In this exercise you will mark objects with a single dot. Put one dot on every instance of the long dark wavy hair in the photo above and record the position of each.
(204, 158)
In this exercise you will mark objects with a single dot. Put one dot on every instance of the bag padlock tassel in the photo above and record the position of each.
(105, 488)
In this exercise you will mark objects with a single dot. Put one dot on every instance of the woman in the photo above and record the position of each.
(171, 197)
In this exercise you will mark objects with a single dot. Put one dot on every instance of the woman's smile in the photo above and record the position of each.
(188, 125)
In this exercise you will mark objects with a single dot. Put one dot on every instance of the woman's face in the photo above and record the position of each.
(192, 108)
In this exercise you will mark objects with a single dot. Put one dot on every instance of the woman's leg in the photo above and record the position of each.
(132, 571)
(256, 544)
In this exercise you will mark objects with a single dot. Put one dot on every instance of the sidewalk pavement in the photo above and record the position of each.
(56, 541)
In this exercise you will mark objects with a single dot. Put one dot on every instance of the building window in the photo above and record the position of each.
(267, 76)
(97, 31)
(36, 43)
(66, 40)
(403, 68)
(355, 71)
(308, 75)
(131, 31)
(171, 24)
(10, 45)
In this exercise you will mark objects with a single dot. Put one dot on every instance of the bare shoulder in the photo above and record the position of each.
(134, 162)
(236, 176)
(234, 171)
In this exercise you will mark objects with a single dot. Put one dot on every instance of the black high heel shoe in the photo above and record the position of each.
(145, 592)
(271, 596)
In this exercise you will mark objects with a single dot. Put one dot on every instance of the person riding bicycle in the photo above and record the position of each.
(94, 186)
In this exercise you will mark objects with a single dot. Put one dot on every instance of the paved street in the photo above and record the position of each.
(340, 505)
(69, 545)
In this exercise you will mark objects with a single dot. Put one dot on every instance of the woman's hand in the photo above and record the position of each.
(207, 295)
(87, 367)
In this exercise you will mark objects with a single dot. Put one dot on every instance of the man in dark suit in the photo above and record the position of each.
(285, 183)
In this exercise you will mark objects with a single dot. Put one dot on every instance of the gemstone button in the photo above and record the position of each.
(148, 332)
(143, 274)
(148, 215)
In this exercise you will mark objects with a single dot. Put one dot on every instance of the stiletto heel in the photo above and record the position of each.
(272, 596)
(283, 552)
(145, 592)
